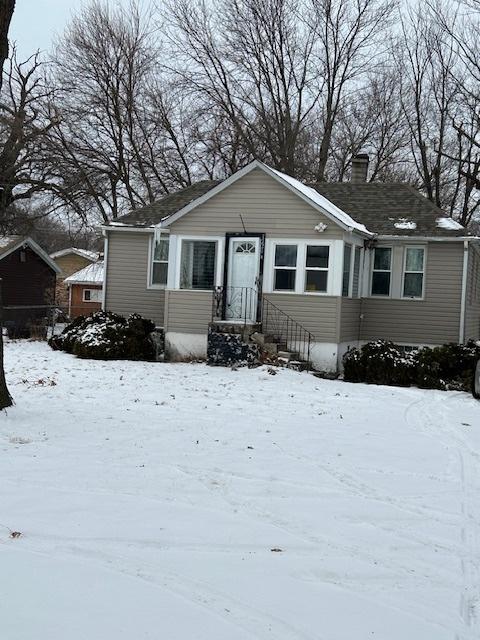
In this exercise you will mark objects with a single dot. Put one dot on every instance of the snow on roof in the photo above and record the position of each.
(321, 201)
(85, 253)
(448, 223)
(91, 274)
(403, 223)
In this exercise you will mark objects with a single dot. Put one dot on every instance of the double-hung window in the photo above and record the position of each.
(197, 267)
(285, 267)
(159, 267)
(316, 268)
(382, 271)
(413, 273)
(347, 263)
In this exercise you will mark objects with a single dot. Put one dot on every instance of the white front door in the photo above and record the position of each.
(243, 271)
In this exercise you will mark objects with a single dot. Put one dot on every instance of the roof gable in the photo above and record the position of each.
(9, 244)
(83, 253)
(92, 274)
(307, 194)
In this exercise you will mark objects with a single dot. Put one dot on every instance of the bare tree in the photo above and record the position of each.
(6, 12)
(23, 135)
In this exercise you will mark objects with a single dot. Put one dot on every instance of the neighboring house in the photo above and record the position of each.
(349, 262)
(70, 261)
(85, 290)
(28, 282)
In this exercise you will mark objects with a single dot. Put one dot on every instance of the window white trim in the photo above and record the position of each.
(276, 268)
(390, 271)
(151, 244)
(97, 292)
(404, 271)
(335, 265)
(176, 262)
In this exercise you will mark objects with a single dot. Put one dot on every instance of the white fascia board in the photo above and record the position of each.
(328, 210)
(108, 227)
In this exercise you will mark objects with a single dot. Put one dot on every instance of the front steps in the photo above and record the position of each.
(238, 344)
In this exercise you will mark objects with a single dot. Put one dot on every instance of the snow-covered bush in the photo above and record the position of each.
(379, 362)
(449, 366)
(107, 336)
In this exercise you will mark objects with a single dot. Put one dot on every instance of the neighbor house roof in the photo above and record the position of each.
(84, 253)
(91, 274)
(9, 244)
(384, 209)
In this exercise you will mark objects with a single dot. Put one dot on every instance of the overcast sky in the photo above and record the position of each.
(35, 23)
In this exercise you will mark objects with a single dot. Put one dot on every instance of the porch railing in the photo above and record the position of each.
(245, 304)
(238, 304)
(284, 329)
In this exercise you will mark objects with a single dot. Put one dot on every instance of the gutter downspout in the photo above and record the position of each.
(464, 292)
(105, 265)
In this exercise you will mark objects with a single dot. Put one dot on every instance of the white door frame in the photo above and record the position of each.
(248, 295)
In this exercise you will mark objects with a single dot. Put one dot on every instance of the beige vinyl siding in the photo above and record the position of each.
(188, 311)
(350, 319)
(434, 320)
(472, 306)
(126, 277)
(317, 314)
(265, 205)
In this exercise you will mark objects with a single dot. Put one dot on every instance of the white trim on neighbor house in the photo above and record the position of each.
(307, 194)
(335, 273)
(37, 249)
(93, 256)
(463, 301)
(95, 292)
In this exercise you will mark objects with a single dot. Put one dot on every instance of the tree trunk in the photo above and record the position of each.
(6, 13)
(5, 397)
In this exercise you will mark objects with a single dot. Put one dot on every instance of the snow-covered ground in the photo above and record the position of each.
(152, 500)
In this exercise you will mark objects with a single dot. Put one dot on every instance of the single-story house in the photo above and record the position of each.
(85, 290)
(337, 264)
(69, 261)
(28, 283)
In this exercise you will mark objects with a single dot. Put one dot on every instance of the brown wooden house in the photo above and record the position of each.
(85, 290)
(28, 283)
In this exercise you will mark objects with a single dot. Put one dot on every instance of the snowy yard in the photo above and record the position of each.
(180, 502)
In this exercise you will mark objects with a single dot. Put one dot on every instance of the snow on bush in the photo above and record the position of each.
(107, 336)
(448, 366)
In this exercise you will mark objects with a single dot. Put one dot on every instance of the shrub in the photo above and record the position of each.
(449, 366)
(107, 336)
(379, 362)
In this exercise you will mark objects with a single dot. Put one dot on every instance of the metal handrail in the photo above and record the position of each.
(275, 322)
(284, 328)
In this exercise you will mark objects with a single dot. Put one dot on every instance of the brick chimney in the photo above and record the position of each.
(359, 168)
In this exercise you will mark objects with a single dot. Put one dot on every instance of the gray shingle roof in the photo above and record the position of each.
(384, 208)
(380, 206)
(160, 209)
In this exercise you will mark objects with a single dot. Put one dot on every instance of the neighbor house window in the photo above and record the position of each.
(347, 262)
(92, 295)
(413, 272)
(382, 271)
(159, 269)
(316, 268)
(197, 269)
(285, 267)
